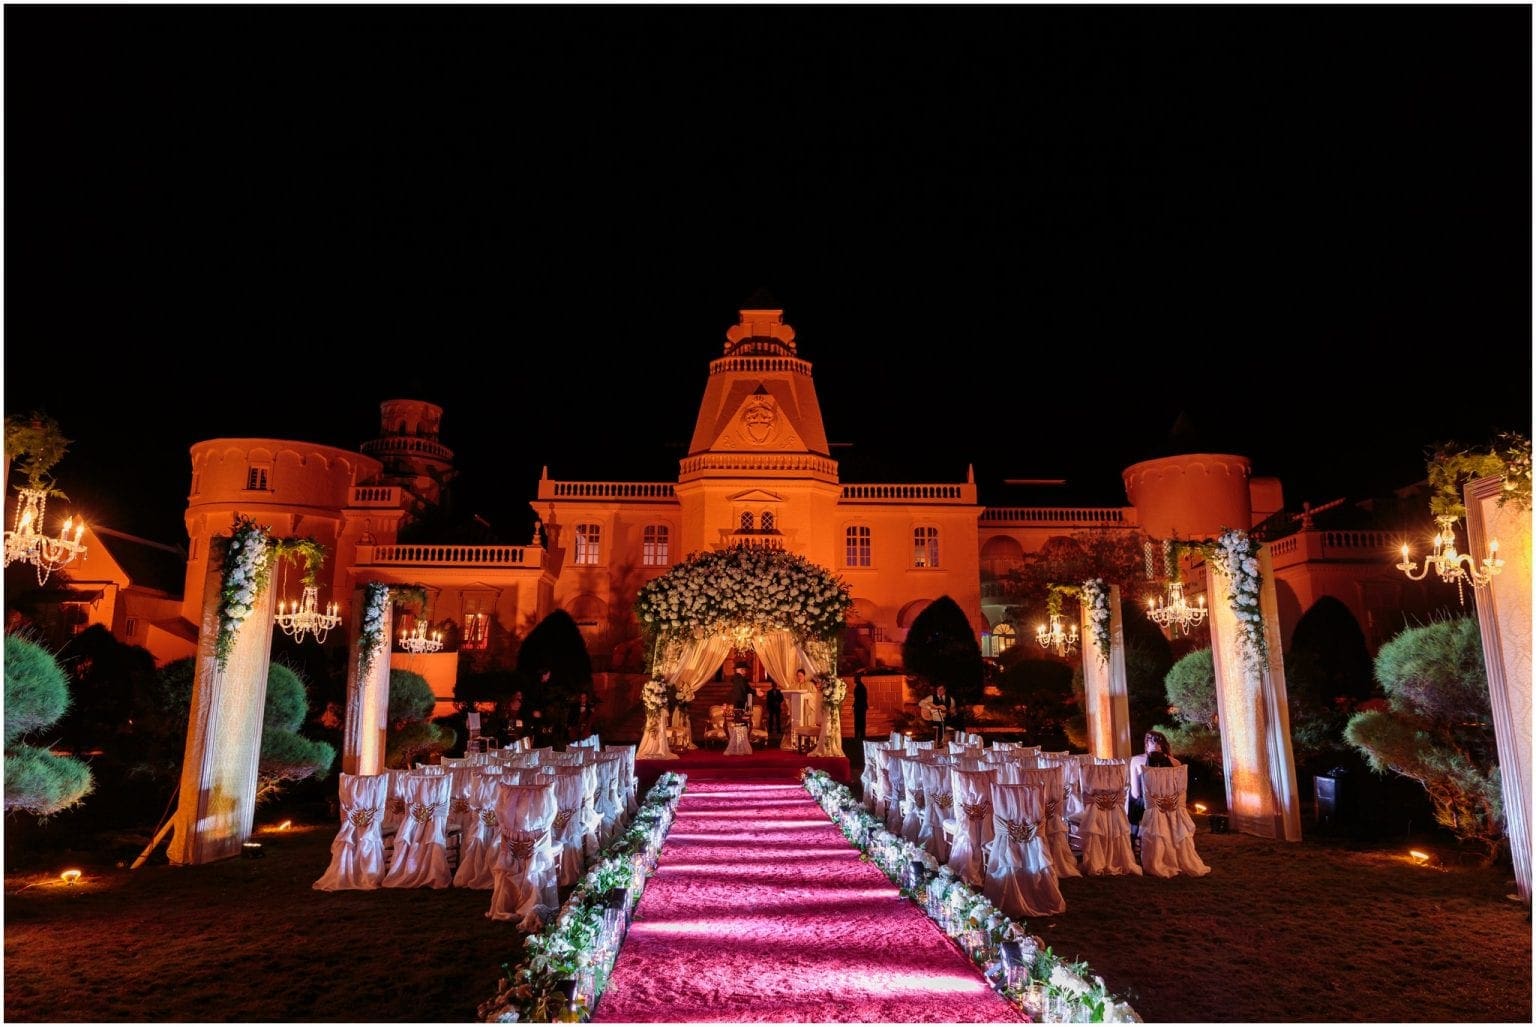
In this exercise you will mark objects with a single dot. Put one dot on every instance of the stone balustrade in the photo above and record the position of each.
(449, 556)
(1089, 516)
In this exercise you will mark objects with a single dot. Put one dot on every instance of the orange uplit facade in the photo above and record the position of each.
(758, 471)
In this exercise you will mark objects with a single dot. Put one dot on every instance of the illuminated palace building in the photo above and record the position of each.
(758, 471)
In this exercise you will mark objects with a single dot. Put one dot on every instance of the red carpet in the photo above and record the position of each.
(761, 912)
(762, 765)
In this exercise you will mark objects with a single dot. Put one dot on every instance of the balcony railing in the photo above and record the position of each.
(412, 447)
(760, 365)
(797, 463)
(1083, 515)
(898, 493)
(649, 490)
(449, 556)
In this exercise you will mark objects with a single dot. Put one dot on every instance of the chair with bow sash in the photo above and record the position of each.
(895, 790)
(357, 853)
(525, 888)
(869, 776)
(569, 829)
(420, 857)
(939, 815)
(1167, 832)
(972, 791)
(482, 835)
(1053, 825)
(607, 799)
(1104, 829)
(1020, 879)
(628, 785)
(914, 804)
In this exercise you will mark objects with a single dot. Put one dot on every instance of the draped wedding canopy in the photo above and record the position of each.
(788, 610)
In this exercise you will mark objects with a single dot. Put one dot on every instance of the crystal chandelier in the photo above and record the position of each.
(1056, 637)
(1175, 612)
(1451, 565)
(305, 617)
(418, 641)
(27, 542)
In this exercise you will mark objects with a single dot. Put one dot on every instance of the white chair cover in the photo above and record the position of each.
(569, 828)
(1019, 877)
(1105, 831)
(997, 755)
(420, 858)
(1167, 832)
(895, 791)
(479, 844)
(628, 785)
(1008, 772)
(1053, 826)
(914, 808)
(972, 790)
(939, 814)
(394, 805)
(606, 797)
(524, 888)
(430, 769)
(869, 777)
(357, 854)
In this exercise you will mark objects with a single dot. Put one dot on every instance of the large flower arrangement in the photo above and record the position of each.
(371, 639)
(1095, 598)
(833, 689)
(654, 696)
(247, 569)
(740, 589)
(1236, 555)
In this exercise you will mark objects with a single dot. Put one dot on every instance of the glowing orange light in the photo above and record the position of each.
(1421, 858)
(70, 876)
(1199, 807)
(285, 825)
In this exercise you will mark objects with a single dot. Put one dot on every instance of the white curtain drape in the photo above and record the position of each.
(653, 740)
(830, 742)
(781, 656)
(696, 661)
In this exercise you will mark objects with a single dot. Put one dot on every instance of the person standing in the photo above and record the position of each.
(741, 691)
(937, 709)
(860, 706)
(774, 700)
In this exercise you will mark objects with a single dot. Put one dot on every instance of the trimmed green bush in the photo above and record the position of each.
(941, 646)
(36, 696)
(1191, 689)
(413, 736)
(287, 755)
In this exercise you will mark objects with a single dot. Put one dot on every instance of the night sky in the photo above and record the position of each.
(1023, 238)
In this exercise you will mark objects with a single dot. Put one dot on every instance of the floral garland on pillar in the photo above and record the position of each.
(1236, 555)
(1095, 598)
(246, 573)
(377, 598)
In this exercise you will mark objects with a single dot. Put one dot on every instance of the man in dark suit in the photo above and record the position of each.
(775, 703)
(860, 706)
(741, 690)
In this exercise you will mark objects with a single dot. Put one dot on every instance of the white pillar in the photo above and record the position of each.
(217, 802)
(1104, 685)
(367, 713)
(1504, 618)
(1255, 722)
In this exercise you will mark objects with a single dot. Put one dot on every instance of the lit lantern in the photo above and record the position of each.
(70, 876)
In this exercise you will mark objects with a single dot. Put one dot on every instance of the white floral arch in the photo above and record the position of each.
(788, 609)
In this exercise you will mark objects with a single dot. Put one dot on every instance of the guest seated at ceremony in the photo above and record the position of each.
(1154, 743)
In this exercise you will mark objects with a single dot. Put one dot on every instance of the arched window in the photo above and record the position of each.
(767, 520)
(746, 520)
(1003, 638)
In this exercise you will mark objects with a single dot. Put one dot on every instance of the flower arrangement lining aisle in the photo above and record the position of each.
(760, 912)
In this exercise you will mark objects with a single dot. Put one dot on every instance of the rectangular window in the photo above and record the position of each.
(858, 552)
(588, 541)
(256, 478)
(656, 549)
(131, 625)
(925, 547)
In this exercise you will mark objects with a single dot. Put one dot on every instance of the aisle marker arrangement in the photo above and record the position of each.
(1017, 964)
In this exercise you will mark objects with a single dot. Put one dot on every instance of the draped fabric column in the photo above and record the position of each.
(830, 742)
(1504, 618)
(781, 656)
(653, 740)
(1104, 685)
(694, 665)
(367, 712)
(1255, 722)
(217, 801)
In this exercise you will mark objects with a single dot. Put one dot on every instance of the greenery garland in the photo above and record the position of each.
(1095, 597)
(1449, 467)
(742, 588)
(244, 576)
(1236, 555)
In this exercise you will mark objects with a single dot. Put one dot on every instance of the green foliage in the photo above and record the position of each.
(410, 697)
(106, 674)
(286, 755)
(36, 689)
(39, 443)
(1437, 729)
(36, 695)
(1115, 556)
(1190, 742)
(1191, 689)
(1148, 658)
(412, 735)
(941, 646)
(556, 646)
(311, 552)
(1451, 466)
(1038, 696)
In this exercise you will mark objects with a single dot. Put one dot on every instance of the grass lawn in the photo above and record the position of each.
(1318, 931)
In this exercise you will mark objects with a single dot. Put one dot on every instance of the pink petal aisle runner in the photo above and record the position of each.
(761, 911)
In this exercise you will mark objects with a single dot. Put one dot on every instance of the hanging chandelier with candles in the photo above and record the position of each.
(26, 541)
(1175, 612)
(305, 617)
(418, 641)
(1056, 637)
(1451, 565)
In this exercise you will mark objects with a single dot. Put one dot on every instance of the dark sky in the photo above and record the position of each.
(1024, 238)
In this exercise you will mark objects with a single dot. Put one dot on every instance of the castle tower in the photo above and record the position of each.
(410, 452)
